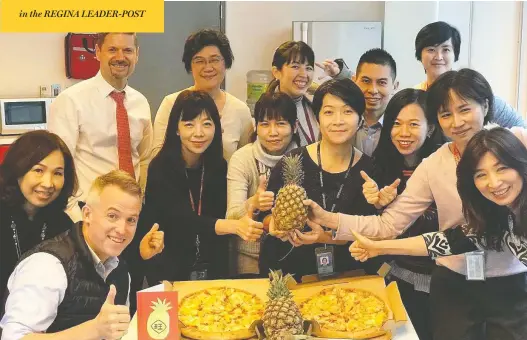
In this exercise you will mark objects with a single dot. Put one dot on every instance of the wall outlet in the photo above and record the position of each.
(45, 91)
(55, 90)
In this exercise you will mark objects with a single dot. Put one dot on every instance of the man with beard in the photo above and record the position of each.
(105, 123)
(376, 77)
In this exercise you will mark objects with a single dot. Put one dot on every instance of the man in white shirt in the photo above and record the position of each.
(105, 123)
(376, 77)
(74, 286)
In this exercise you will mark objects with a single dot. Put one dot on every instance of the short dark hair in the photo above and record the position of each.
(467, 84)
(389, 163)
(289, 52)
(277, 106)
(378, 56)
(189, 105)
(345, 89)
(102, 36)
(487, 219)
(203, 38)
(434, 34)
(27, 151)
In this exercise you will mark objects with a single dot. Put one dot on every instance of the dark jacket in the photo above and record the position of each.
(57, 221)
(86, 291)
(301, 261)
(167, 202)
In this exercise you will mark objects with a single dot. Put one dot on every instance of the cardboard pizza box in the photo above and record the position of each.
(310, 286)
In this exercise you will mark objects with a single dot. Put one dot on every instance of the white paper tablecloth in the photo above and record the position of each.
(404, 332)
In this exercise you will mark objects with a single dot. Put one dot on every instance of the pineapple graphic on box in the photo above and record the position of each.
(282, 317)
(158, 324)
(289, 212)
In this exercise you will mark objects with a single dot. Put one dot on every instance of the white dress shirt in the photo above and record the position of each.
(84, 116)
(236, 123)
(36, 289)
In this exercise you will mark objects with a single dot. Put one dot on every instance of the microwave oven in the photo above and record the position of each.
(20, 115)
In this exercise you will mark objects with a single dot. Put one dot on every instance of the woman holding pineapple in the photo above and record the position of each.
(329, 171)
(249, 169)
(186, 195)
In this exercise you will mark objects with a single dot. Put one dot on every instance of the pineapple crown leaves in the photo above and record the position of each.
(161, 305)
(292, 171)
(278, 286)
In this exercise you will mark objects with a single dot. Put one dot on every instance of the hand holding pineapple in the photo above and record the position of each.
(113, 320)
(376, 197)
(262, 200)
(152, 243)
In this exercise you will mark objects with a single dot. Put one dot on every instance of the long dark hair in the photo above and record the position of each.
(289, 52)
(27, 151)
(487, 219)
(189, 105)
(275, 106)
(389, 163)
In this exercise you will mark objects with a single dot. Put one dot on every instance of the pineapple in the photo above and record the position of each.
(289, 212)
(158, 324)
(282, 317)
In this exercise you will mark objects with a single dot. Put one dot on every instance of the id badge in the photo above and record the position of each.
(475, 265)
(325, 260)
(199, 272)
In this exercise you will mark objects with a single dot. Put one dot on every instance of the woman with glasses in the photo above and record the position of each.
(207, 56)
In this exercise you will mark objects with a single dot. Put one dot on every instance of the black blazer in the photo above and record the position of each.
(167, 202)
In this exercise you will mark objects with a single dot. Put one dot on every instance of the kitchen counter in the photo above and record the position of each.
(404, 332)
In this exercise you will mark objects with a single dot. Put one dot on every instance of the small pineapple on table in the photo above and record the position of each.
(289, 212)
(282, 318)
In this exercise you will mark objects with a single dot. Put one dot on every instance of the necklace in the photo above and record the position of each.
(17, 241)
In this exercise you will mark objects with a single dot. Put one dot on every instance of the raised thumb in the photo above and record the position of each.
(396, 183)
(365, 176)
(262, 183)
(110, 299)
(358, 237)
(155, 228)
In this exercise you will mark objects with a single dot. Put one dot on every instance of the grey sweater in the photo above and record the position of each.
(242, 182)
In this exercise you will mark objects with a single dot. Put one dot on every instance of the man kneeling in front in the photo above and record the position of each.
(73, 285)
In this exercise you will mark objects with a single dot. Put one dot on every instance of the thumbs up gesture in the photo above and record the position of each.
(388, 193)
(113, 320)
(152, 243)
(363, 248)
(381, 198)
(262, 200)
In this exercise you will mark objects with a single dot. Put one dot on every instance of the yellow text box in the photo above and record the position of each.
(81, 16)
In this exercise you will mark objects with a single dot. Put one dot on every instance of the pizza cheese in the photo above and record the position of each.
(220, 310)
(345, 310)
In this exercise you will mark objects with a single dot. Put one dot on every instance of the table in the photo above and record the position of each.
(404, 332)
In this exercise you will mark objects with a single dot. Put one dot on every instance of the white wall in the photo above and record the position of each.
(495, 45)
(256, 29)
(28, 60)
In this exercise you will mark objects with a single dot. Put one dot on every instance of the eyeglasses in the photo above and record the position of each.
(202, 62)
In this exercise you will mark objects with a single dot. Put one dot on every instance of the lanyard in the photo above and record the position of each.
(456, 153)
(341, 184)
(192, 203)
(310, 138)
(17, 241)
(200, 192)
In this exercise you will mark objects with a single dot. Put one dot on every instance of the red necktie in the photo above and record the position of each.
(124, 143)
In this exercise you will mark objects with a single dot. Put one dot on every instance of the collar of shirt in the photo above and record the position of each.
(374, 127)
(104, 87)
(103, 269)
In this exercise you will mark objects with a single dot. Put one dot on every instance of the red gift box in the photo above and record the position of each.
(157, 316)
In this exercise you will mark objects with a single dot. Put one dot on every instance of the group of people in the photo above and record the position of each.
(105, 199)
